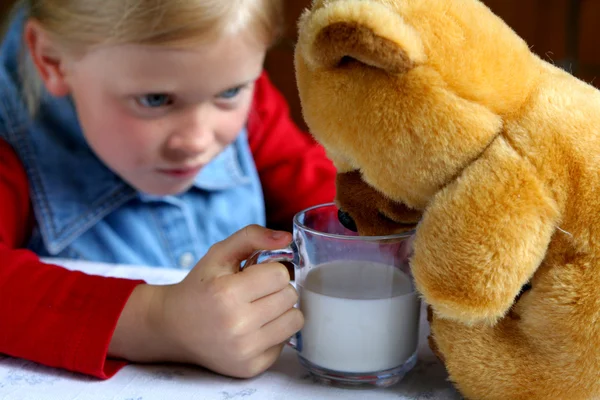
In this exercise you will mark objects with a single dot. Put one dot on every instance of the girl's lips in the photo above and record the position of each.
(180, 173)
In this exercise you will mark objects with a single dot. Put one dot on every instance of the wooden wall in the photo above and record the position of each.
(566, 32)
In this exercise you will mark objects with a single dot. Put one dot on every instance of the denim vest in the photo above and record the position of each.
(84, 211)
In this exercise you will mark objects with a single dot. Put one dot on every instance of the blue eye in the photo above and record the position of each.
(230, 93)
(154, 100)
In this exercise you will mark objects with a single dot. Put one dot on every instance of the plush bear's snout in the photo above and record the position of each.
(347, 221)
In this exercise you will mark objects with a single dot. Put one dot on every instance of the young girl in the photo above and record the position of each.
(145, 132)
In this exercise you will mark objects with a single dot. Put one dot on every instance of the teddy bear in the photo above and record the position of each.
(439, 118)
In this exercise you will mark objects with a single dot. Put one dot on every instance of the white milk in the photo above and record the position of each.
(359, 317)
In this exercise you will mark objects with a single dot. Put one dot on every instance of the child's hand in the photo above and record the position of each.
(232, 323)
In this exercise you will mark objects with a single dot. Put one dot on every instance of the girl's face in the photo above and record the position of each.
(156, 116)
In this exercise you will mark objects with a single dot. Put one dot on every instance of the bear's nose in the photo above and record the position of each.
(347, 221)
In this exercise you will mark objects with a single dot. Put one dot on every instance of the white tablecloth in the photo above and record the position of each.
(285, 380)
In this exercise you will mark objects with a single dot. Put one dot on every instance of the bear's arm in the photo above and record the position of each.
(483, 236)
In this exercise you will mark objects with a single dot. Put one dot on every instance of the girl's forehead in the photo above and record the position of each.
(210, 67)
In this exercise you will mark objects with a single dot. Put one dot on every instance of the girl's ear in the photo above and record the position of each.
(48, 60)
(356, 30)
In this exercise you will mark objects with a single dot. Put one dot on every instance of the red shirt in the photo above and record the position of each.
(66, 319)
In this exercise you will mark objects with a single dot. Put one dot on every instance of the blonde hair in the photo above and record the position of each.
(78, 25)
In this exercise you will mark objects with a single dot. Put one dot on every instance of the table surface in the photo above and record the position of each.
(286, 379)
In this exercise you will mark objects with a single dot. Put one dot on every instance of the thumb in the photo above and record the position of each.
(225, 257)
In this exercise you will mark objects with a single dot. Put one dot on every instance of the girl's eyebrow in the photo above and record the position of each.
(245, 83)
(130, 91)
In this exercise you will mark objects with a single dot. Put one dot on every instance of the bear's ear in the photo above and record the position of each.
(362, 30)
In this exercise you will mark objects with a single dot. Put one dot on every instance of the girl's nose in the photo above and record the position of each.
(186, 146)
(192, 138)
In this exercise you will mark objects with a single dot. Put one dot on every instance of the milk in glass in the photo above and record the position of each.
(360, 316)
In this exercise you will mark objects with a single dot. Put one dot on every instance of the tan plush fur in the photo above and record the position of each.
(438, 108)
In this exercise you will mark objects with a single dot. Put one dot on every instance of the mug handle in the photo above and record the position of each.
(288, 254)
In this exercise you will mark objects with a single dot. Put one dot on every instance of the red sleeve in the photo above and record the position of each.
(48, 314)
(293, 168)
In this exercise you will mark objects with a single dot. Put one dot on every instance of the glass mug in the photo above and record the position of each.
(360, 306)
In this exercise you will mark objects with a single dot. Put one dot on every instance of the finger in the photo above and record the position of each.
(261, 280)
(282, 328)
(271, 307)
(224, 257)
